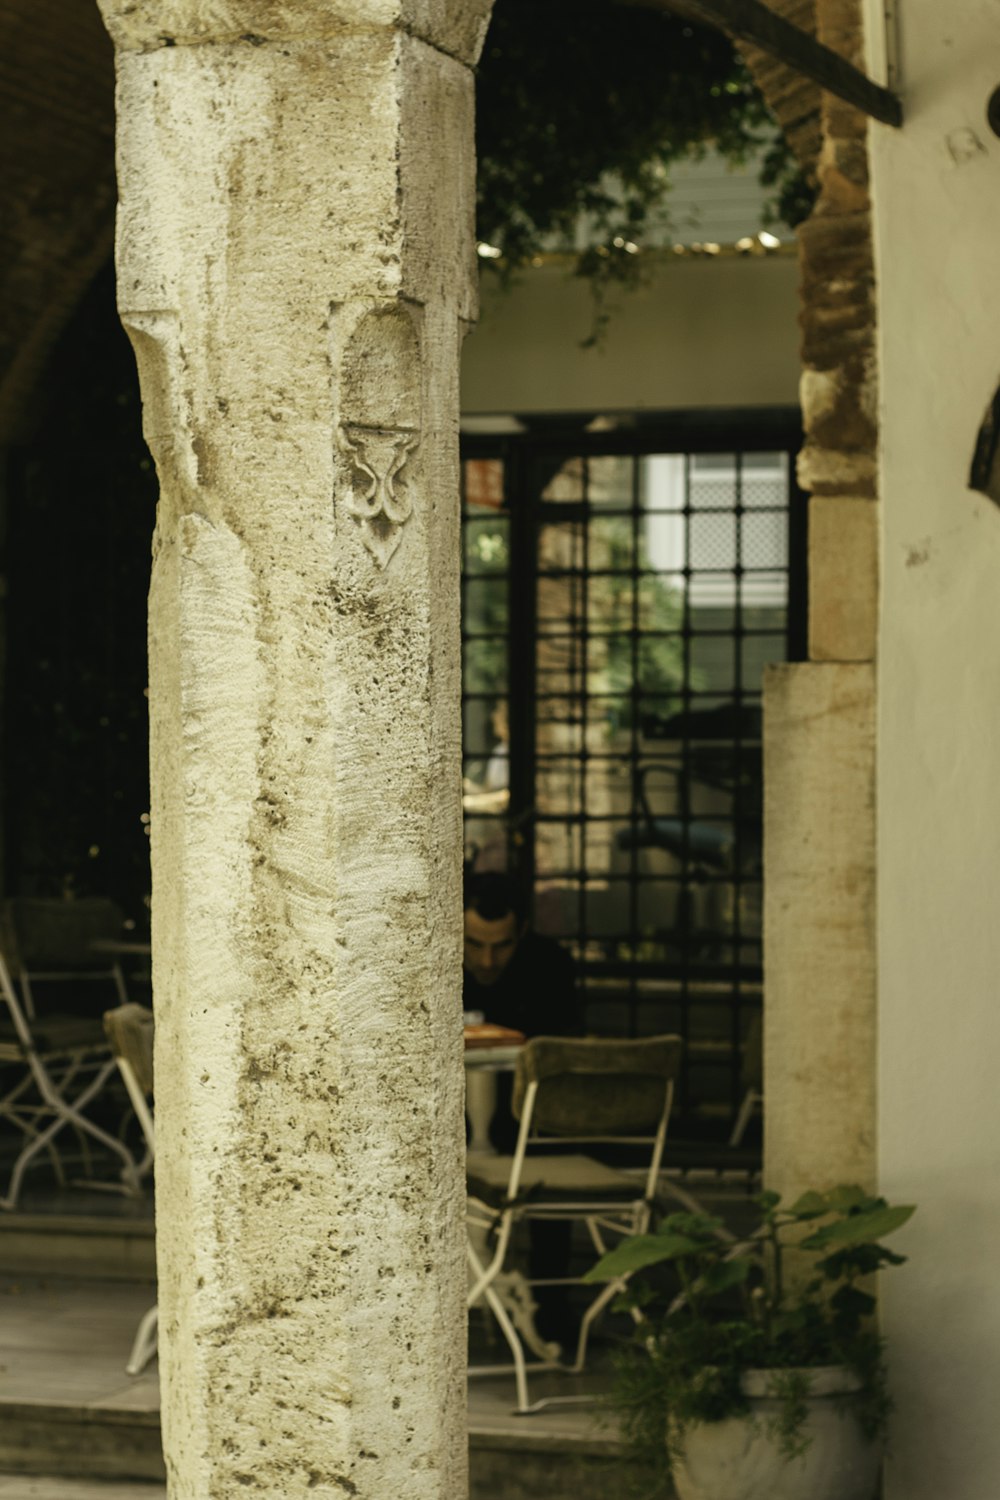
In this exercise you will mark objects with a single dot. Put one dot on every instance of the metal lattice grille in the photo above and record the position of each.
(619, 608)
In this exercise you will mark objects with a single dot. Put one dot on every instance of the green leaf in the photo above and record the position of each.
(842, 1199)
(705, 1226)
(858, 1229)
(640, 1251)
(851, 1303)
(724, 1275)
(810, 1206)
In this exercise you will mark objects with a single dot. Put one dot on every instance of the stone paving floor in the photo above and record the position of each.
(64, 1343)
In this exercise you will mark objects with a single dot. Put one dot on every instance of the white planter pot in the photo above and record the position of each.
(737, 1459)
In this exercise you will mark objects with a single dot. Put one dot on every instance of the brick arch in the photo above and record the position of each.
(794, 98)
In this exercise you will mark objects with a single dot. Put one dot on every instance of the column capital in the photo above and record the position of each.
(457, 27)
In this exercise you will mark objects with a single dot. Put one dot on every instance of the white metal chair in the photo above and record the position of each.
(60, 942)
(51, 1070)
(129, 1030)
(570, 1091)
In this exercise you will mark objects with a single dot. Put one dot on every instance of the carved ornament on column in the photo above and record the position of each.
(378, 423)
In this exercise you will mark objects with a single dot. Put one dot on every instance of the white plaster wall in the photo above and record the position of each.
(711, 332)
(937, 216)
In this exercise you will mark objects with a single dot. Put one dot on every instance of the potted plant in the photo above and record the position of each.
(757, 1373)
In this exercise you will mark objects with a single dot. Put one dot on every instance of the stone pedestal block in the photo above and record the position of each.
(819, 926)
(843, 579)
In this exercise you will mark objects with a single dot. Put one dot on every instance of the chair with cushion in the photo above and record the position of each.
(570, 1092)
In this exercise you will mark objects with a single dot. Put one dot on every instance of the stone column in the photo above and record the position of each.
(820, 995)
(294, 269)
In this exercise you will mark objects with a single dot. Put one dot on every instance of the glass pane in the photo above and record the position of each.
(567, 484)
(562, 548)
(484, 665)
(609, 603)
(557, 848)
(611, 543)
(610, 663)
(712, 590)
(658, 794)
(559, 728)
(764, 590)
(560, 604)
(608, 786)
(661, 664)
(561, 673)
(558, 908)
(712, 540)
(484, 605)
(764, 539)
(657, 719)
(712, 481)
(661, 603)
(484, 727)
(656, 907)
(758, 650)
(762, 617)
(664, 542)
(485, 840)
(608, 843)
(486, 545)
(609, 481)
(663, 482)
(765, 480)
(713, 658)
(558, 786)
(609, 720)
(482, 483)
(607, 909)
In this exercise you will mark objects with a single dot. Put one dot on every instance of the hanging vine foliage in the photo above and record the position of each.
(582, 108)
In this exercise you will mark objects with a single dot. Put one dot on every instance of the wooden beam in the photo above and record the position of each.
(751, 21)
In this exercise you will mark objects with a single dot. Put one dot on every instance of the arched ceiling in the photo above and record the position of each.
(58, 187)
(57, 171)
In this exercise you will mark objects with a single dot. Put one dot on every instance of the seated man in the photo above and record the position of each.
(512, 975)
(517, 978)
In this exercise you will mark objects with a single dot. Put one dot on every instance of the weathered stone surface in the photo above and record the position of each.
(458, 27)
(843, 579)
(819, 926)
(295, 247)
(819, 953)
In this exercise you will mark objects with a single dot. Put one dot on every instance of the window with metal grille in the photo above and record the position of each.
(624, 586)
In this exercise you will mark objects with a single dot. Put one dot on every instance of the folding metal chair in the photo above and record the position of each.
(60, 942)
(51, 1070)
(129, 1030)
(751, 1079)
(584, 1092)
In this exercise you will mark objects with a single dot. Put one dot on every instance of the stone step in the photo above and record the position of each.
(77, 1245)
(69, 1411)
(66, 1453)
(77, 1442)
(79, 1231)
